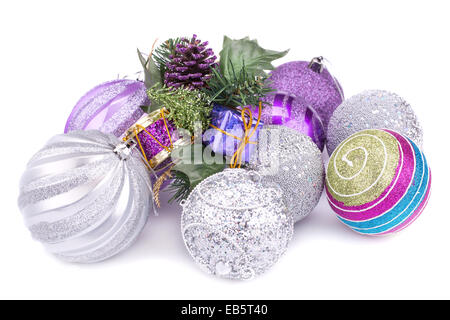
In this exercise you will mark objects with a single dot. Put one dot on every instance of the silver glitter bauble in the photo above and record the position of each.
(293, 161)
(234, 226)
(86, 196)
(373, 109)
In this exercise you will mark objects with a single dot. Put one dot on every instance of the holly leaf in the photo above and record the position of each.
(152, 77)
(236, 53)
(151, 71)
(198, 172)
(188, 173)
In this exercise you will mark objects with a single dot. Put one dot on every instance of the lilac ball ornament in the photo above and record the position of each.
(312, 82)
(378, 182)
(111, 107)
(295, 113)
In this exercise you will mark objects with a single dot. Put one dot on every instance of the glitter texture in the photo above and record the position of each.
(111, 107)
(294, 162)
(373, 109)
(362, 167)
(404, 195)
(234, 225)
(158, 130)
(319, 89)
(84, 199)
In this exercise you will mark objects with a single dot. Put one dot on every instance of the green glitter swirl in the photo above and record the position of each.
(362, 167)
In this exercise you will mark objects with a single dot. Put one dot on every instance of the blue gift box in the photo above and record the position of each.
(230, 121)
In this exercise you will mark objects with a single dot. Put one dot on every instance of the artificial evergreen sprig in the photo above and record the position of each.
(162, 54)
(239, 89)
(180, 187)
(186, 107)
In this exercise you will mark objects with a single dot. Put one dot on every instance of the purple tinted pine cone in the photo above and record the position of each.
(190, 65)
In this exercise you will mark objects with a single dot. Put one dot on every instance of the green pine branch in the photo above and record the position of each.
(186, 107)
(163, 52)
(239, 89)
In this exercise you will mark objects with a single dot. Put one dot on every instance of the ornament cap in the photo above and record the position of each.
(316, 64)
(123, 149)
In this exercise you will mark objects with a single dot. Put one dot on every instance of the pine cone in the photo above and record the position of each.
(190, 65)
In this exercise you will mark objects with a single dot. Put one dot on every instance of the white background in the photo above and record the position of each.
(52, 52)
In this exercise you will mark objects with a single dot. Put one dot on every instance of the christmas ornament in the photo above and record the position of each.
(111, 107)
(188, 63)
(234, 226)
(228, 128)
(312, 82)
(155, 136)
(285, 109)
(378, 181)
(156, 139)
(374, 109)
(294, 162)
(86, 196)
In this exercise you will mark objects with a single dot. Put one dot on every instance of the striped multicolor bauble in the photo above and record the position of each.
(378, 182)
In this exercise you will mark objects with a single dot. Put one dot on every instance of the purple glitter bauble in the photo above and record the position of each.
(315, 85)
(295, 113)
(111, 107)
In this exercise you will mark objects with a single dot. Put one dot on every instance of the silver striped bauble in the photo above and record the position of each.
(86, 196)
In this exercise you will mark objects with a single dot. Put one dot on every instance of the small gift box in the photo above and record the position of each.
(229, 130)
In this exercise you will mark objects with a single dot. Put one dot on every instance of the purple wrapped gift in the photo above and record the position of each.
(230, 121)
(111, 107)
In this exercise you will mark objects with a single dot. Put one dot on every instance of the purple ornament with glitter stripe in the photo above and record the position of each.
(111, 107)
(282, 108)
(312, 82)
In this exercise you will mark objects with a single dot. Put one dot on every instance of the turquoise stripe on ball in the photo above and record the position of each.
(405, 207)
